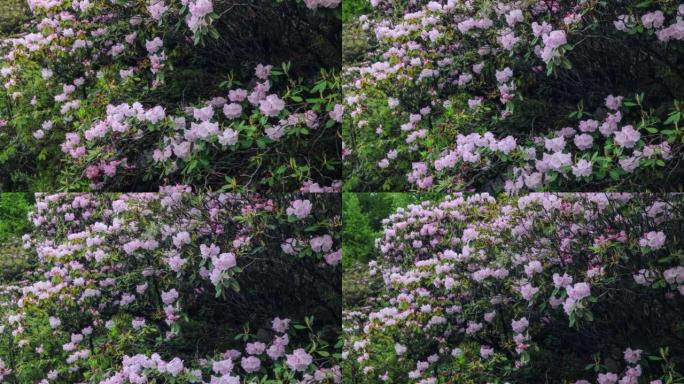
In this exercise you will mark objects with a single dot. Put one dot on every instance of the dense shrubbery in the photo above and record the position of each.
(517, 95)
(14, 208)
(542, 288)
(176, 288)
(130, 95)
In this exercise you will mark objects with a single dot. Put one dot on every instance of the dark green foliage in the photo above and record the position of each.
(14, 208)
(351, 9)
(357, 235)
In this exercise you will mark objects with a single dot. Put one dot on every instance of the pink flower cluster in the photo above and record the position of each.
(655, 21)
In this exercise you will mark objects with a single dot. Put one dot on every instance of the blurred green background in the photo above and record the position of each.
(12, 14)
(14, 223)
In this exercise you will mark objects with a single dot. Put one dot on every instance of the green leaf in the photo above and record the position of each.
(674, 118)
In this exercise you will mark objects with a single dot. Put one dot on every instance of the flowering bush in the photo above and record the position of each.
(569, 288)
(130, 95)
(535, 95)
(176, 288)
